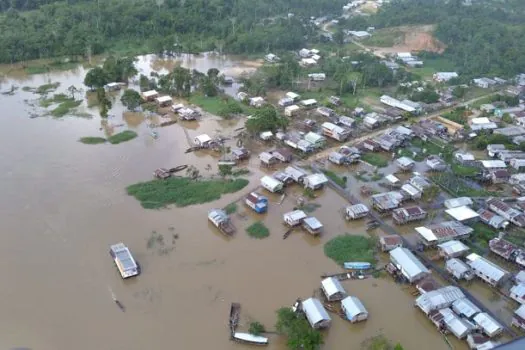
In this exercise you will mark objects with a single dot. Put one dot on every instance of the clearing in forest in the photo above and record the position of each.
(405, 39)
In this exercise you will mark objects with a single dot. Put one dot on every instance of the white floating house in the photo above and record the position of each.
(408, 264)
(353, 309)
(452, 249)
(489, 326)
(202, 140)
(336, 132)
(297, 174)
(332, 289)
(163, 101)
(457, 326)
(313, 226)
(315, 181)
(294, 218)
(271, 184)
(486, 270)
(310, 103)
(150, 95)
(465, 308)
(438, 299)
(517, 293)
(356, 211)
(459, 269)
(316, 313)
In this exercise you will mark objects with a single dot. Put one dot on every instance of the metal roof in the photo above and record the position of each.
(486, 267)
(353, 307)
(405, 161)
(453, 247)
(123, 255)
(519, 291)
(491, 164)
(454, 324)
(203, 138)
(439, 298)
(392, 179)
(520, 311)
(357, 209)
(457, 266)
(462, 213)
(314, 310)
(163, 99)
(411, 190)
(316, 179)
(411, 267)
(295, 172)
(332, 286)
(295, 215)
(464, 307)
(444, 231)
(520, 276)
(313, 223)
(485, 321)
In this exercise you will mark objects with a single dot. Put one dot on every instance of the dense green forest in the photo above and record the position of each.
(78, 28)
(485, 37)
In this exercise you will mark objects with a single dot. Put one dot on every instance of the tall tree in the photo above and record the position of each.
(96, 78)
(131, 99)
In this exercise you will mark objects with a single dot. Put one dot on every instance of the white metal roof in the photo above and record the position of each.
(465, 307)
(392, 179)
(453, 247)
(150, 93)
(454, 324)
(457, 265)
(294, 172)
(458, 202)
(353, 307)
(332, 286)
(489, 325)
(316, 179)
(295, 215)
(314, 310)
(310, 101)
(520, 311)
(520, 276)
(313, 223)
(410, 265)
(292, 108)
(462, 213)
(292, 95)
(519, 291)
(270, 181)
(411, 190)
(202, 138)
(162, 99)
(405, 161)
(333, 128)
(312, 137)
(439, 298)
(491, 164)
(485, 266)
(359, 208)
(481, 120)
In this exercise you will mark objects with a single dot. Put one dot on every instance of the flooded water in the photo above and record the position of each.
(64, 203)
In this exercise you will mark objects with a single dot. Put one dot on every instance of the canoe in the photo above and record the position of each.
(250, 338)
(357, 265)
(178, 168)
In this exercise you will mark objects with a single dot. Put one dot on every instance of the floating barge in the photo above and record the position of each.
(346, 276)
(220, 219)
(357, 265)
(235, 310)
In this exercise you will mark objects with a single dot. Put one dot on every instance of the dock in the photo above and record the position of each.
(235, 311)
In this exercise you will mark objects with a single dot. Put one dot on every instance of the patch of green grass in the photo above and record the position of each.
(310, 207)
(57, 98)
(65, 107)
(28, 88)
(404, 152)
(230, 208)
(428, 147)
(258, 230)
(335, 178)
(182, 191)
(384, 38)
(376, 159)
(44, 89)
(240, 172)
(483, 233)
(463, 170)
(92, 140)
(378, 342)
(123, 136)
(256, 328)
(434, 65)
(346, 248)
(219, 105)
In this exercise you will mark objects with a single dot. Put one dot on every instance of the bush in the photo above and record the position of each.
(350, 248)
(297, 330)
(375, 159)
(182, 191)
(340, 181)
(258, 230)
(256, 328)
(230, 208)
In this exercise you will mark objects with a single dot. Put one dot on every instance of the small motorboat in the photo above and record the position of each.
(357, 265)
(154, 134)
(250, 338)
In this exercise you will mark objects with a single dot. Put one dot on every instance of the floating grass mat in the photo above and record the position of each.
(44, 89)
(123, 136)
(182, 191)
(258, 230)
(92, 140)
(347, 248)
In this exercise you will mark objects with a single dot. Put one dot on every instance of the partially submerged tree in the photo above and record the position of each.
(104, 103)
(296, 328)
(225, 170)
(266, 119)
(95, 78)
(131, 99)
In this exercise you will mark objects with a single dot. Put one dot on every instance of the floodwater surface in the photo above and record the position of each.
(63, 203)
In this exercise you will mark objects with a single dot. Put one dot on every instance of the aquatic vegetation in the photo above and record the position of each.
(230, 208)
(182, 191)
(258, 230)
(350, 248)
(44, 89)
(340, 181)
(256, 328)
(375, 159)
(92, 140)
(123, 136)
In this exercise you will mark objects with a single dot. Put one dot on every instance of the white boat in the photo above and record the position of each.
(125, 262)
(250, 338)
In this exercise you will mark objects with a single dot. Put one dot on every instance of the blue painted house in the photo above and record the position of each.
(257, 202)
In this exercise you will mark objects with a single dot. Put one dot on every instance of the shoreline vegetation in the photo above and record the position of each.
(347, 248)
(182, 191)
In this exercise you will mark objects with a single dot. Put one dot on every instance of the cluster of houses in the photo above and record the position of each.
(291, 174)
(392, 200)
(309, 57)
(409, 60)
(352, 309)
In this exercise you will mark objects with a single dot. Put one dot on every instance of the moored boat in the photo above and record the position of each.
(357, 265)
(248, 338)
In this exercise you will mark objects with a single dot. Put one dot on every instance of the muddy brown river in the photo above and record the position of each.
(63, 203)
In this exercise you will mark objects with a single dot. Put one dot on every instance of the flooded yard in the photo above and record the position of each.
(64, 203)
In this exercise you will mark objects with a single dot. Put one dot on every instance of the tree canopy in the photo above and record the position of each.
(266, 119)
(131, 99)
(296, 328)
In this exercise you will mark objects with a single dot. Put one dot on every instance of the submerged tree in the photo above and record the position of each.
(266, 119)
(104, 103)
(297, 329)
(96, 78)
(131, 99)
